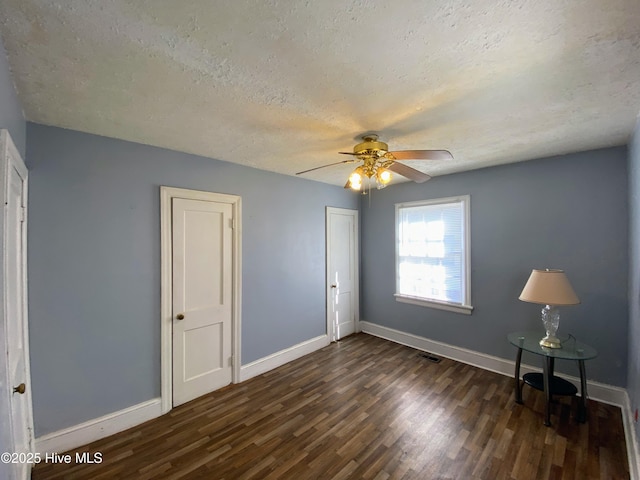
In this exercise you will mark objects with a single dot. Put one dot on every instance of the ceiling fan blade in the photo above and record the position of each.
(422, 155)
(347, 153)
(409, 172)
(323, 166)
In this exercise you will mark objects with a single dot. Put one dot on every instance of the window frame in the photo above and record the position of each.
(465, 307)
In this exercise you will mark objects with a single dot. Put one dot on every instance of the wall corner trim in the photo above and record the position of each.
(92, 430)
(633, 449)
(278, 359)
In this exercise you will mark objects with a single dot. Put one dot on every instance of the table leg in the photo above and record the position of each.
(582, 408)
(547, 368)
(517, 384)
(552, 369)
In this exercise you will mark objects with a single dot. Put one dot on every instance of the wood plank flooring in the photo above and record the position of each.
(364, 408)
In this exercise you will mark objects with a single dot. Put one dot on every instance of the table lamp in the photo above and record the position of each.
(550, 288)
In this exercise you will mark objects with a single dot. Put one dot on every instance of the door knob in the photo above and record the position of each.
(334, 286)
(20, 389)
(180, 316)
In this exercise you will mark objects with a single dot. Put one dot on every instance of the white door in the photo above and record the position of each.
(202, 297)
(15, 387)
(342, 272)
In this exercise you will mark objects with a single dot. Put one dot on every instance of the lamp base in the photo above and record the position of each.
(551, 341)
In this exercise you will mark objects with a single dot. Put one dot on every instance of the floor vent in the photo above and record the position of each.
(430, 357)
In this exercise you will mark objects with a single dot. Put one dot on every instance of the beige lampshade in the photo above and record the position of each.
(549, 287)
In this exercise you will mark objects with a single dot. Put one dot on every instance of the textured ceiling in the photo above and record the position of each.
(285, 85)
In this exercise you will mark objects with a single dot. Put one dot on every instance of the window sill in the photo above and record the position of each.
(464, 309)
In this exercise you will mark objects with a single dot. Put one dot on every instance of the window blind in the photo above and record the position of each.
(431, 251)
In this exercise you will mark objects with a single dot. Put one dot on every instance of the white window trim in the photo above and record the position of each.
(451, 307)
(466, 307)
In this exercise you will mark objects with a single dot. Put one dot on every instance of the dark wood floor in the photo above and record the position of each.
(364, 408)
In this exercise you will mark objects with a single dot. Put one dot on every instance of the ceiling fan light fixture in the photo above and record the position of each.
(355, 179)
(383, 177)
(355, 185)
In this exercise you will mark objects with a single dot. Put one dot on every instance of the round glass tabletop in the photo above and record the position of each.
(571, 349)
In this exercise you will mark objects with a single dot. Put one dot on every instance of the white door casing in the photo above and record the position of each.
(16, 415)
(342, 272)
(200, 245)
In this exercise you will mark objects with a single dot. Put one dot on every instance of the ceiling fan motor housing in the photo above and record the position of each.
(371, 146)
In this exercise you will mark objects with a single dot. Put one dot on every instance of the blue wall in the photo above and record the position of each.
(567, 212)
(633, 375)
(94, 266)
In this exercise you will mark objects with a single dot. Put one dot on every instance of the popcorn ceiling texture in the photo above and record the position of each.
(283, 86)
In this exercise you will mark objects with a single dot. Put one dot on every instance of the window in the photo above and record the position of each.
(432, 253)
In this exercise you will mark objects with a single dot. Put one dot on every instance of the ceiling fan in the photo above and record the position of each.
(379, 162)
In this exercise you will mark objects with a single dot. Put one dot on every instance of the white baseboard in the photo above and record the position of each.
(92, 430)
(87, 432)
(287, 355)
(633, 452)
(597, 391)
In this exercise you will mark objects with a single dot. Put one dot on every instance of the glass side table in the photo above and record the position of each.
(546, 381)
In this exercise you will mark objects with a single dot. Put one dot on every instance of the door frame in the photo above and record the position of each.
(356, 266)
(11, 158)
(167, 194)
